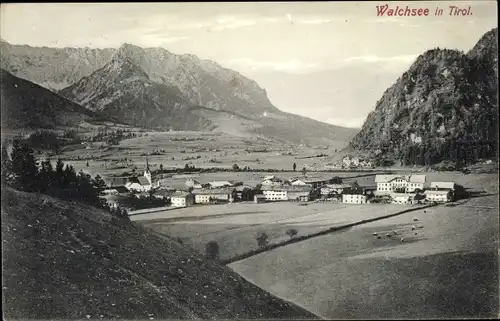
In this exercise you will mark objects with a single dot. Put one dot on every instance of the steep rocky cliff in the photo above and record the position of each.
(443, 108)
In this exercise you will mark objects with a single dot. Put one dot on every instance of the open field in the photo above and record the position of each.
(235, 226)
(448, 269)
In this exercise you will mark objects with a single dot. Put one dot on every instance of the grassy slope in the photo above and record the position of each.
(449, 269)
(65, 260)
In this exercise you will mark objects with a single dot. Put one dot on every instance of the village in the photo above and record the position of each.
(309, 187)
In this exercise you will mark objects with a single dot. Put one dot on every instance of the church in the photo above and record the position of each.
(142, 183)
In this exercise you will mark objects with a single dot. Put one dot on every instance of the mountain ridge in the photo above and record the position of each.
(444, 97)
(202, 82)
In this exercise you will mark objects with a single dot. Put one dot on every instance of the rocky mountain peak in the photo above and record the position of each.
(444, 97)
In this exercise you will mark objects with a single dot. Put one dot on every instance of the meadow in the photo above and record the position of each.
(446, 265)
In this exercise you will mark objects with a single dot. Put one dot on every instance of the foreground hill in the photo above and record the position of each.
(202, 83)
(445, 98)
(27, 105)
(64, 260)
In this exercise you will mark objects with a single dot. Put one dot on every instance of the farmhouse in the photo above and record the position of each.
(387, 184)
(333, 188)
(442, 186)
(314, 182)
(206, 196)
(438, 196)
(285, 193)
(118, 184)
(353, 199)
(302, 194)
(402, 198)
(259, 199)
(271, 180)
(182, 199)
(221, 184)
(193, 183)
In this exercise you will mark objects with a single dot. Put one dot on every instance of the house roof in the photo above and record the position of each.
(417, 179)
(336, 186)
(403, 194)
(427, 192)
(217, 191)
(385, 178)
(179, 194)
(310, 179)
(221, 183)
(447, 185)
(143, 181)
(411, 178)
(117, 181)
(290, 188)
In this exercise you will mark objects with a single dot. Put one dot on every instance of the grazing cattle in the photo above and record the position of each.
(413, 228)
(415, 219)
(388, 235)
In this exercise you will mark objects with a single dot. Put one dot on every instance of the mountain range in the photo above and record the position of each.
(444, 107)
(153, 88)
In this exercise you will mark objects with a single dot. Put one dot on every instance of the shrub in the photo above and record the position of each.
(262, 239)
(212, 250)
(291, 232)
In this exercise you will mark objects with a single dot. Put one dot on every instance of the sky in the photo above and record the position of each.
(330, 61)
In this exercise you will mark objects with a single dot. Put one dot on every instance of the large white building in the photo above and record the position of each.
(285, 193)
(353, 199)
(438, 196)
(206, 196)
(402, 198)
(387, 184)
(181, 199)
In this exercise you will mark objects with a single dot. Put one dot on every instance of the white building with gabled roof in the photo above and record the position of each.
(387, 184)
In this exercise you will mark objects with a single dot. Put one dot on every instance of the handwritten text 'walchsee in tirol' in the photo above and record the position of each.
(406, 11)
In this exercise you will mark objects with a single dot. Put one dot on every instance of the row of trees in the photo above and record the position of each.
(461, 153)
(212, 248)
(23, 172)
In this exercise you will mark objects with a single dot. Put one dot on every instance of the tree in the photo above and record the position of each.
(236, 167)
(46, 176)
(161, 168)
(304, 170)
(291, 232)
(354, 184)
(336, 180)
(294, 167)
(99, 183)
(87, 165)
(24, 166)
(262, 239)
(212, 250)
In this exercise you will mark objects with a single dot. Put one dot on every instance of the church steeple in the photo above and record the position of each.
(147, 172)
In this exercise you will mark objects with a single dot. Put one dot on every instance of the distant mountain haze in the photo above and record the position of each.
(154, 88)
